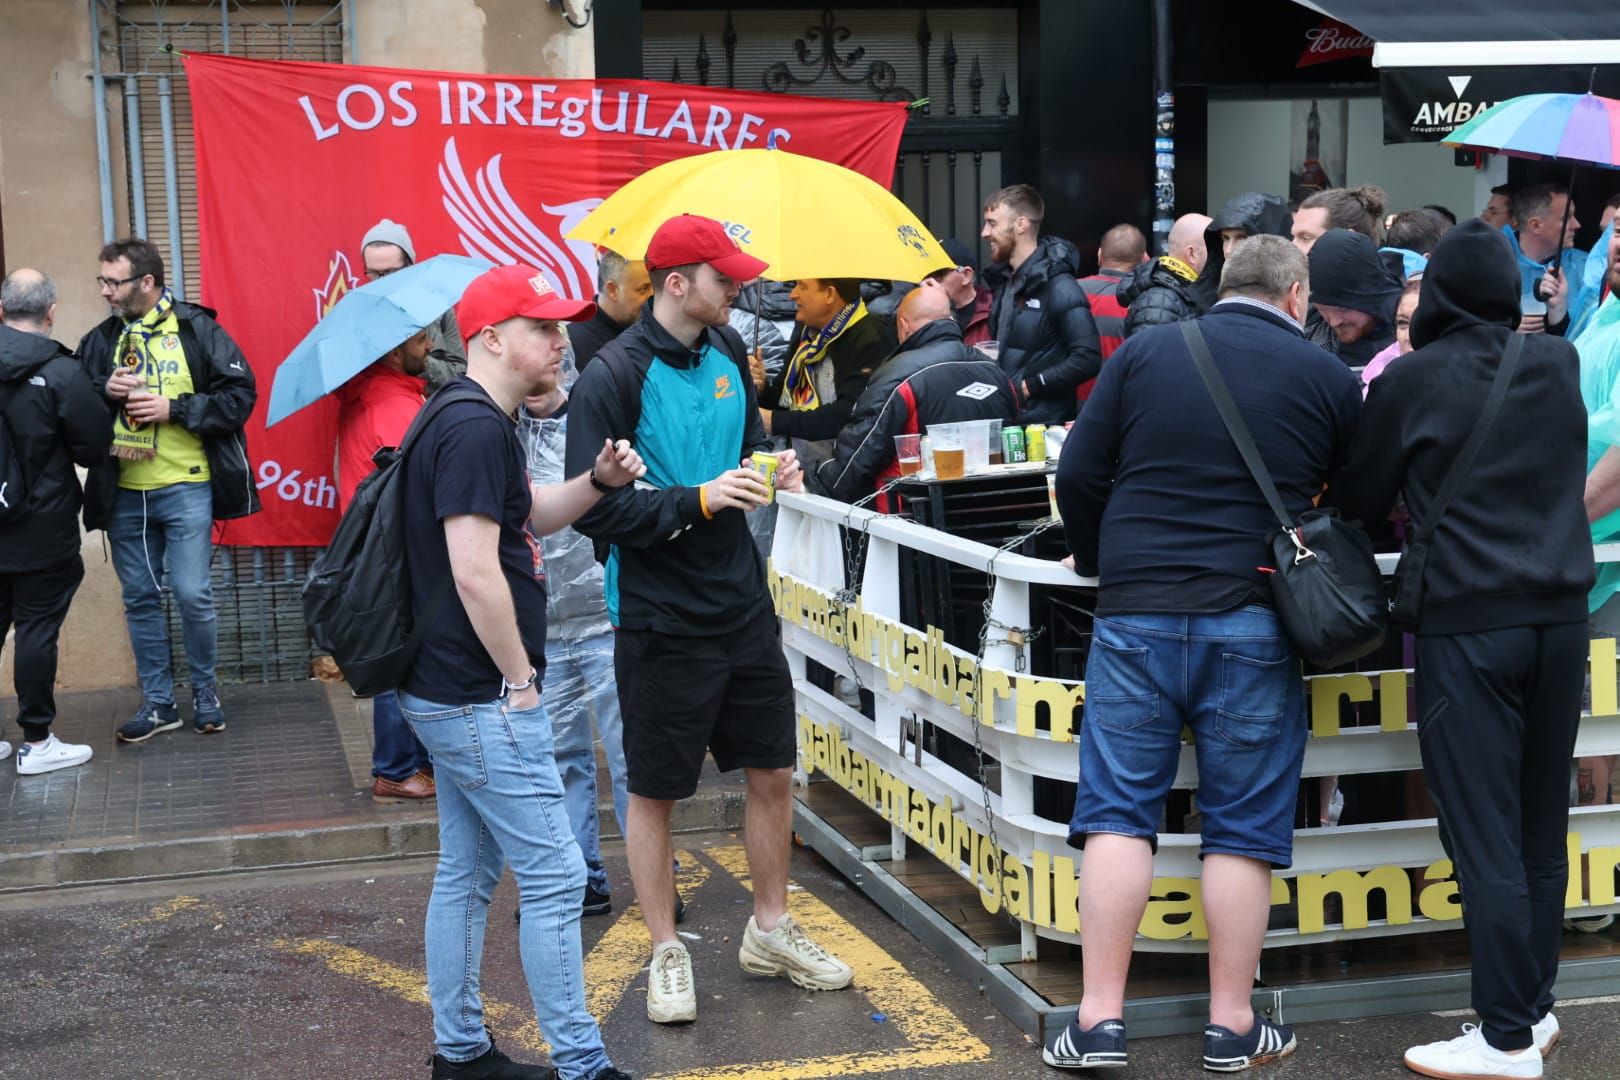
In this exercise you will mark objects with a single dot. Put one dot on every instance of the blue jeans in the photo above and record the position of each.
(1234, 680)
(169, 529)
(396, 752)
(501, 802)
(579, 687)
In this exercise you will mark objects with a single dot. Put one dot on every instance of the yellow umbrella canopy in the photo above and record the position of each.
(806, 217)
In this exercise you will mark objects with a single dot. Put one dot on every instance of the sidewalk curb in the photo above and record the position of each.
(278, 847)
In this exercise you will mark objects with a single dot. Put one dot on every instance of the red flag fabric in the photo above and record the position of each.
(295, 161)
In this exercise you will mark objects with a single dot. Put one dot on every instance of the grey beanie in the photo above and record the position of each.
(390, 232)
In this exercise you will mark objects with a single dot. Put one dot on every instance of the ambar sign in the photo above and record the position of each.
(1428, 104)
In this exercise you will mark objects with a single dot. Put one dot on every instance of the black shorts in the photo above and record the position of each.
(730, 694)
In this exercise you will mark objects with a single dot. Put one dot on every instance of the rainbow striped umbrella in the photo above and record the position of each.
(1582, 129)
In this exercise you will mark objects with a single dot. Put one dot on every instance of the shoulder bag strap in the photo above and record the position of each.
(1235, 426)
(1476, 439)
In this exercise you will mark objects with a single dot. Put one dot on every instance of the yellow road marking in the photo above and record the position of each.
(167, 910)
(933, 1034)
(515, 1023)
(624, 949)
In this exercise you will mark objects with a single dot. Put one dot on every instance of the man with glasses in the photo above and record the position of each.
(386, 248)
(181, 392)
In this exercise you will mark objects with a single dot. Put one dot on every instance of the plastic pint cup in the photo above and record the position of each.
(948, 450)
(908, 453)
(765, 465)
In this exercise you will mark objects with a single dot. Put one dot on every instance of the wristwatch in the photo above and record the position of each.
(597, 484)
(508, 687)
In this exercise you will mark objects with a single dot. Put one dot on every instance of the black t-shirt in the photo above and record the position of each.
(469, 461)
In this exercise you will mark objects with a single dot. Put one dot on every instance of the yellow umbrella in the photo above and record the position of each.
(806, 217)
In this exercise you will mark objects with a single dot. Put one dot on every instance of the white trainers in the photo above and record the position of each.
(788, 951)
(5, 749)
(1546, 1033)
(1591, 924)
(50, 755)
(671, 997)
(1469, 1056)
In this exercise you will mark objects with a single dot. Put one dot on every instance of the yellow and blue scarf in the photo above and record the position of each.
(137, 353)
(799, 384)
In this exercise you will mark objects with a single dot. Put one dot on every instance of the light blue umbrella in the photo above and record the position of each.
(365, 324)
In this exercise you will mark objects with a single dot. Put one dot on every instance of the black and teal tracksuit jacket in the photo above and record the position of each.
(691, 414)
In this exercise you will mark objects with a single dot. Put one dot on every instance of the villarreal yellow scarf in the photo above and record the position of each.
(799, 391)
(143, 348)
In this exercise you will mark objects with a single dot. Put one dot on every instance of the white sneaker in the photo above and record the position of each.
(788, 951)
(50, 755)
(1591, 924)
(1546, 1033)
(5, 749)
(671, 998)
(1469, 1055)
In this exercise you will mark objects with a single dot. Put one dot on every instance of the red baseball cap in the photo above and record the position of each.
(688, 239)
(509, 291)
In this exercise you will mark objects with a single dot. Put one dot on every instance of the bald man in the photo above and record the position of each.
(931, 378)
(1160, 291)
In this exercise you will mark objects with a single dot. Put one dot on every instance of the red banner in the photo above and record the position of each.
(296, 161)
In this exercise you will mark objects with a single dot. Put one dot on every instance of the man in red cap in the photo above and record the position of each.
(699, 651)
(472, 695)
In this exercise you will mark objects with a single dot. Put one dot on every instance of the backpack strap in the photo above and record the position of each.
(626, 385)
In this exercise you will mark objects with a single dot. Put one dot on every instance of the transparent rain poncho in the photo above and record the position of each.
(1599, 347)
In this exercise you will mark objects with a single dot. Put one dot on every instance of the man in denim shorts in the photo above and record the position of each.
(1158, 505)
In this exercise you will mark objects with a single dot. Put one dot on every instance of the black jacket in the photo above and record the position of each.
(854, 355)
(1514, 548)
(932, 378)
(57, 420)
(1348, 272)
(1257, 214)
(1042, 319)
(589, 336)
(674, 570)
(218, 410)
(1154, 496)
(1154, 295)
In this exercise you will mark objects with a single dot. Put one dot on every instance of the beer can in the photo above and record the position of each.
(765, 465)
(1012, 445)
(1035, 442)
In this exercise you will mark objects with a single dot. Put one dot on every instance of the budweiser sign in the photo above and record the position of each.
(1331, 41)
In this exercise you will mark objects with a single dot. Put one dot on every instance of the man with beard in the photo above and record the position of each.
(1354, 293)
(699, 650)
(1040, 315)
(472, 694)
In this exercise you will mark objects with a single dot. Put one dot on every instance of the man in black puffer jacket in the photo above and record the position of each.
(53, 419)
(1161, 291)
(932, 378)
(1040, 315)
(1501, 638)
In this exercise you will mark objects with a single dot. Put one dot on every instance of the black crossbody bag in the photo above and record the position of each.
(1406, 603)
(1327, 589)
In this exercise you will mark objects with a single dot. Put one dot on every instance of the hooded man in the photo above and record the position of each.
(1254, 213)
(1502, 638)
(1354, 293)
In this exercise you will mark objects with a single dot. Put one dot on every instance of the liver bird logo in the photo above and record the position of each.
(493, 225)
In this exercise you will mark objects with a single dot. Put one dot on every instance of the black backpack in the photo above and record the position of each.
(357, 600)
(13, 488)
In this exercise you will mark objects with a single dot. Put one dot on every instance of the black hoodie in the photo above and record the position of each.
(1514, 548)
(1257, 214)
(57, 419)
(1348, 272)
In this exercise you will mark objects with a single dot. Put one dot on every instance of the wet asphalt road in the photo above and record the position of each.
(317, 973)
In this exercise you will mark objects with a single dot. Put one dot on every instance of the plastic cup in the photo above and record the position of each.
(975, 445)
(992, 349)
(908, 452)
(949, 451)
(994, 448)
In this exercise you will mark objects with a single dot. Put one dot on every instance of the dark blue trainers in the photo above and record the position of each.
(150, 719)
(1228, 1052)
(210, 717)
(1103, 1047)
